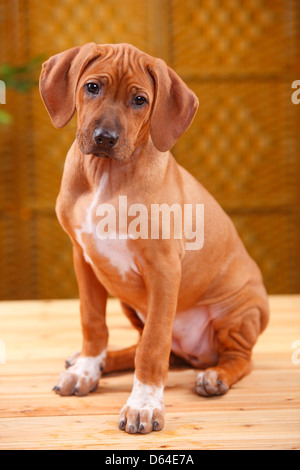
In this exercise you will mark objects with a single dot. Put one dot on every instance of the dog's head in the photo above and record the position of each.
(122, 96)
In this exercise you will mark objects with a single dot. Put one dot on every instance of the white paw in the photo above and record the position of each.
(82, 377)
(144, 411)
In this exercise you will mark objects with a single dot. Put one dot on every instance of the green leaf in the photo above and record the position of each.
(5, 118)
(21, 77)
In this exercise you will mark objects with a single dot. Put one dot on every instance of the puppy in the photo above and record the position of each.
(145, 231)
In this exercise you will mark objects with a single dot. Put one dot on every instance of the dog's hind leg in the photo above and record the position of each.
(123, 359)
(236, 341)
(120, 360)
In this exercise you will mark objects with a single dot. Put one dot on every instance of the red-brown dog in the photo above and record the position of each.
(205, 301)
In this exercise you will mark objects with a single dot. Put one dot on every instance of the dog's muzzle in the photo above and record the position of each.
(105, 139)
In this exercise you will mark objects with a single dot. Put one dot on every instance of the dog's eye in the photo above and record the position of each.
(92, 88)
(139, 101)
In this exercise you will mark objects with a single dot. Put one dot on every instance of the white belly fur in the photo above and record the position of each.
(193, 336)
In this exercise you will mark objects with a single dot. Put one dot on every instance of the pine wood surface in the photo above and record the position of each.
(260, 412)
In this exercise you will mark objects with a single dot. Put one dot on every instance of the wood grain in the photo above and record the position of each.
(261, 412)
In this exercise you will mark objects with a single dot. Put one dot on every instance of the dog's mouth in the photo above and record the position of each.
(101, 155)
(89, 148)
(109, 155)
(119, 152)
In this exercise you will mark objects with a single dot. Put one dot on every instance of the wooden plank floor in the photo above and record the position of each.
(260, 412)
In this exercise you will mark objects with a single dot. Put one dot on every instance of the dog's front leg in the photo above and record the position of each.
(144, 410)
(84, 369)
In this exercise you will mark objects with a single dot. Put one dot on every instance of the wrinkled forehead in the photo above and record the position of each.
(119, 65)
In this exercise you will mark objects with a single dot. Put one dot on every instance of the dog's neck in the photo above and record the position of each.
(146, 166)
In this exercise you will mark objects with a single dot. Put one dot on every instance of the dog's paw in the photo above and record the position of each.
(210, 382)
(144, 411)
(82, 376)
(71, 361)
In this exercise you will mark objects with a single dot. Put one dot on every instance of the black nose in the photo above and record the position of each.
(105, 138)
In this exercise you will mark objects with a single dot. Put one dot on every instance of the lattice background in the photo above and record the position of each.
(239, 56)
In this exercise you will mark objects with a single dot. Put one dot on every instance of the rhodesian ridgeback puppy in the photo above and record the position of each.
(205, 302)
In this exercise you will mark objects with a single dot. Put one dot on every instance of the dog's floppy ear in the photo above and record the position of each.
(59, 78)
(174, 107)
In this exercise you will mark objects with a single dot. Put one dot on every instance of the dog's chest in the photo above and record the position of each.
(108, 253)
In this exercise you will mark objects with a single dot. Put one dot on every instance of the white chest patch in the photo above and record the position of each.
(87, 227)
(118, 254)
(115, 249)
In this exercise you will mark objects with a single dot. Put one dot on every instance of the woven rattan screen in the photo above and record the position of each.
(239, 56)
